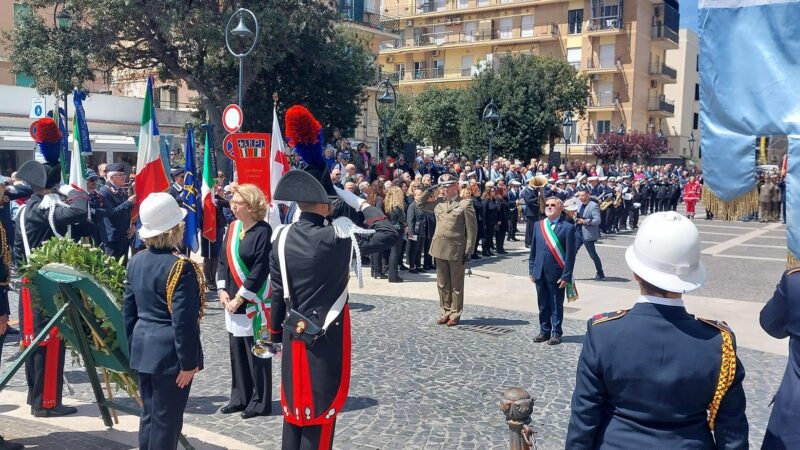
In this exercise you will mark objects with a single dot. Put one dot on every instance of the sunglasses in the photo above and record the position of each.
(551, 205)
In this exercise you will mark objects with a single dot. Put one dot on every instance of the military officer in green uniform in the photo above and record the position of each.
(451, 246)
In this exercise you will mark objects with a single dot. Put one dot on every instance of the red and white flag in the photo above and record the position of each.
(207, 189)
(279, 165)
(150, 173)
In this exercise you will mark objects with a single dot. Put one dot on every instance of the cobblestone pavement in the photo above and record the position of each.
(416, 385)
(749, 270)
(37, 435)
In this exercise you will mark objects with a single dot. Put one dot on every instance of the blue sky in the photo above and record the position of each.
(688, 14)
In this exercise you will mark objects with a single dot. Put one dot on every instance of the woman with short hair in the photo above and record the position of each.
(242, 287)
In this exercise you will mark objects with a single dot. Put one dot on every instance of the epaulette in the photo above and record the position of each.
(608, 316)
(719, 324)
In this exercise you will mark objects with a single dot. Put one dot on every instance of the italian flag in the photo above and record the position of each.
(77, 167)
(279, 165)
(150, 174)
(207, 190)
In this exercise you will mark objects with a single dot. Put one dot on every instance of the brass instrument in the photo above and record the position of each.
(539, 182)
(605, 202)
(618, 199)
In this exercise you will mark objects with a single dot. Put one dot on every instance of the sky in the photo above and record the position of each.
(688, 10)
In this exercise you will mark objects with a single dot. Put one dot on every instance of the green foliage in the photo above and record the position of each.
(300, 54)
(532, 94)
(435, 118)
(57, 60)
(399, 133)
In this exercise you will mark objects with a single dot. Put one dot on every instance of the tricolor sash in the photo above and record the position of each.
(557, 249)
(257, 310)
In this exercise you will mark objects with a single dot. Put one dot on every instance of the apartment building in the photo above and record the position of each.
(113, 109)
(620, 44)
(684, 133)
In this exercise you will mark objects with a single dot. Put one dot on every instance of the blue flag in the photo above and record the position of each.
(78, 97)
(191, 200)
(749, 69)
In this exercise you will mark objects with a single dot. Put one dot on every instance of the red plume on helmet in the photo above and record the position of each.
(305, 135)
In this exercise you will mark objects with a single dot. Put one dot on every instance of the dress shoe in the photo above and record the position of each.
(599, 277)
(554, 340)
(230, 409)
(395, 280)
(502, 252)
(58, 411)
(476, 256)
(413, 271)
(402, 267)
(422, 270)
(452, 323)
(249, 414)
(429, 267)
(5, 445)
(442, 321)
(541, 337)
(382, 276)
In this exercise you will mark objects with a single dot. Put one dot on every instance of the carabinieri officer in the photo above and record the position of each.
(163, 304)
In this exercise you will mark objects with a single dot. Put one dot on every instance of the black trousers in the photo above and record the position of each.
(116, 248)
(654, 202)
(634, 217)
(414, 254)
(395, 259)
(428, 259)
(598, 264)
(162, 411)
(251, 377)
(500, 238)
(376, 260)
(316, 437)
(37, 369)
(210, 265)
(622, 222)
(645, 204)
(513, 217)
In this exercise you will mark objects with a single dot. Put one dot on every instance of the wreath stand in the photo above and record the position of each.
(65, 296)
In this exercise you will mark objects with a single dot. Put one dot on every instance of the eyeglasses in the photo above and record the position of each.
(237, 202)
(551, 205)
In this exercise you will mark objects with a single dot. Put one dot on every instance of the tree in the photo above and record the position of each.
(399, 134)
(299, 55)
(649, 147)
(435, 118)
(613, 147)
(532, 94)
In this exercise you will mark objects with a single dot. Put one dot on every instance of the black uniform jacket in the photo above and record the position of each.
(117, 217)
(645, 381)
(160, 341)
(37, 226)
(781, 318)
(254, 251)
(317, 262)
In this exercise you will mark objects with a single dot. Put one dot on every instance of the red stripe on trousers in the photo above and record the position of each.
(326, 436)
(51, 363)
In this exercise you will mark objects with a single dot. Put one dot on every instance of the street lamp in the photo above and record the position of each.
(242, 32)
(387, 99)
(621, 130)
(62, 21)
(691, 144)
(660, 137)
(566, 130)
(491, 116)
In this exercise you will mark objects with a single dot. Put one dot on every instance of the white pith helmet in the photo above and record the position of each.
(159, 213)
(666, 253)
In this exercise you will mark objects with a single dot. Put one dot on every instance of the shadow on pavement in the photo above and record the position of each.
(578, 339)
(494, 321)
(357, 403)
(361, 307)
(205, 404)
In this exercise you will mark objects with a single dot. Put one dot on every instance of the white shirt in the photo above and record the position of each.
(661, 300)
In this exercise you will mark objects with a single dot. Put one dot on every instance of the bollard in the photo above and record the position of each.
(517, 406)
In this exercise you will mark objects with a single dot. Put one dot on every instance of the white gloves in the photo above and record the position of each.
(66, 189)
(351, 199)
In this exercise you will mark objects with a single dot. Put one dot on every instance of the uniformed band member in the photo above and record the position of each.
(655, 376)
(176, 188)
(44, 215)
(453, 241)
(309, 270)
(533, 197)
(242, 279)
(118, 209)
(163, 304)
(781, 318)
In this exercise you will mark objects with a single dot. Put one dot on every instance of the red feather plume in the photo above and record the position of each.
(45, 130)
(301, 126)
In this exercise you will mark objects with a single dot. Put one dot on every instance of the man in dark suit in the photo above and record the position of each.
(654, 376)
(781, 318)
(587, 231)
(550, 264)
(532, 196)
(513, 198)
(118, 208)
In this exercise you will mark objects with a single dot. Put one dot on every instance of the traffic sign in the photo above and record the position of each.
(37, 108)
(232, 118)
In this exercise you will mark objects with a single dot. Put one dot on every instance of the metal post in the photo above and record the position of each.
(491, 137)
(517, 405)
(241, 79)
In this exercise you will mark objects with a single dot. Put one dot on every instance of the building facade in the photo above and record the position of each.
(621, 45)
(684, 133)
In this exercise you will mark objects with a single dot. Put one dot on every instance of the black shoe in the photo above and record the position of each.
(476, 256)
(429, 267)
(402, 267)
(541, 338)
(249, 414)
(382, 276)
(5, 445)
(422, 270)
(413, 271)
(599, 277)
(11, 331)
(555, 340)
(395, 280)
(58, 411)
(502, 252)
(230, 409)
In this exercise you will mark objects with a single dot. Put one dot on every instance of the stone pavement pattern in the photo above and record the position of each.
(416, 385)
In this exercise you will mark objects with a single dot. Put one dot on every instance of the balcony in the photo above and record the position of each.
(663, 73)
(434, 8)
(449, 39)
(660, 107)
(604, 25)
(603, 101)
(665, 37)
(600, 66)
(432, 75)
(367, 18)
